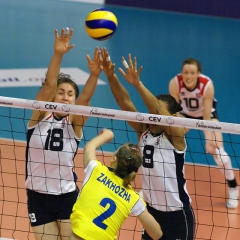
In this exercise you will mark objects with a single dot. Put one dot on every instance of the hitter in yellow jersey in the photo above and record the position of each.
(107, 198)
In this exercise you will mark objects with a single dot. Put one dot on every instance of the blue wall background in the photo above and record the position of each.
(160, 40)
(220, 8)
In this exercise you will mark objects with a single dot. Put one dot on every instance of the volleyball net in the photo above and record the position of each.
(205, 183)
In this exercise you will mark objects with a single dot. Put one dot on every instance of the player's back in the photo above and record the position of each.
(103, 205)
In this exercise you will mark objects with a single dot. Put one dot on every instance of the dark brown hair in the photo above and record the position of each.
(129, 159)
(173, 105)
(66, 78)
(193, 61)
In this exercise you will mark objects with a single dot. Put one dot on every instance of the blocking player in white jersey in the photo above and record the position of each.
(163, 149)
(195, 92)
(52, 143)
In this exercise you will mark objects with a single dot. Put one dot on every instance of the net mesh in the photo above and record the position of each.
(205, 183)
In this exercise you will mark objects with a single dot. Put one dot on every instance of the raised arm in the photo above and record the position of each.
(154, 105)
(95, 67)
(120, 93)
(89, 151)
(60, 48)
(47, 92)
(132, 76)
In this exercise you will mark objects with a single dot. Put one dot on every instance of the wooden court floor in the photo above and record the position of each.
(205, 184)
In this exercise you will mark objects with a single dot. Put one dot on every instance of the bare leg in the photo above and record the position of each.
(75, 237)
(49, 231)
(221, 157)
(65, 229)
(224, 163)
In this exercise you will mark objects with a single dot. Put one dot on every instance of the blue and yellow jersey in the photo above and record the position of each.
(103, 204)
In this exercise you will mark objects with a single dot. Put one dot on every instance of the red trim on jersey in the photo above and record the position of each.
(180, 82)
(204, 81)
(49, 116)
(66, 119)
(146, 132)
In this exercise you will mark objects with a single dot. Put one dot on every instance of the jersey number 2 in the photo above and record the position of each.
(54, 140)
(108, 213)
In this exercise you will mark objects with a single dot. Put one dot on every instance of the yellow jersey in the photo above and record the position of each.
(103, 204)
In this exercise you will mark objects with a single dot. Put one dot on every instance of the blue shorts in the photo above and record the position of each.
(46, 208)
(175, 224)
(214, 115)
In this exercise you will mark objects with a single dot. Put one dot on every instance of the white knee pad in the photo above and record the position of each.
(224, 163)
(221, 157)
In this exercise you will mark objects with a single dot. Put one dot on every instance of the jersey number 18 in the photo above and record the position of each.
(54, 140)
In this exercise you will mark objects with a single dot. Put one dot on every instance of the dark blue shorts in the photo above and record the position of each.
(46, 208)
(175, 224)
(214, 115)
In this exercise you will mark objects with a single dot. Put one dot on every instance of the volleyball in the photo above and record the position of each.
(101, 24)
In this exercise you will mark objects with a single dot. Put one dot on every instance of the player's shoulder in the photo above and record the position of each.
(204, 78)
(178, 76)
(177, 81)
(146, 132)
(97, 163)
(92, 164)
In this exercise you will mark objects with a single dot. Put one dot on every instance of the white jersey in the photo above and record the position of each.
(192, 100)
(163, 182)
(51, 148)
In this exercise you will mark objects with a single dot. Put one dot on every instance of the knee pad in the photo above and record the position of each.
(221, 157)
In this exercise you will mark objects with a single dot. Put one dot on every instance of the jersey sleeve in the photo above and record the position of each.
(139, 207)
(88, 170)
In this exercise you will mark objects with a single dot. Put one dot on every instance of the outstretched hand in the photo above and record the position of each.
(61, 42)
(95, 65)
(108, 66)
(131, 74)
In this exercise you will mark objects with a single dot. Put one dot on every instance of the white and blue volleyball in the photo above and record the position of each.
(101, 24)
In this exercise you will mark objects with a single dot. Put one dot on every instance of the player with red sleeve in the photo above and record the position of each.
(195, 92)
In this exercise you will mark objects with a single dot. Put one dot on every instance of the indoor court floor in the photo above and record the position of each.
(205, 185)
(160, 41)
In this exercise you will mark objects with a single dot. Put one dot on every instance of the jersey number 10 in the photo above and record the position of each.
(191, 103)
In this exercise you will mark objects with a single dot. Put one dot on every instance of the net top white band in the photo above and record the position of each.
(121, 115)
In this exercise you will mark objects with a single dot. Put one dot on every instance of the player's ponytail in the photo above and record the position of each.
(129, 159)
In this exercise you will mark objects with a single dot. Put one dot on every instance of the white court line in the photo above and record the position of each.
(86, 1)
(6, 239)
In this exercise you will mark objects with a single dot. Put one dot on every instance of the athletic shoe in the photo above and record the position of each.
(232, 197)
